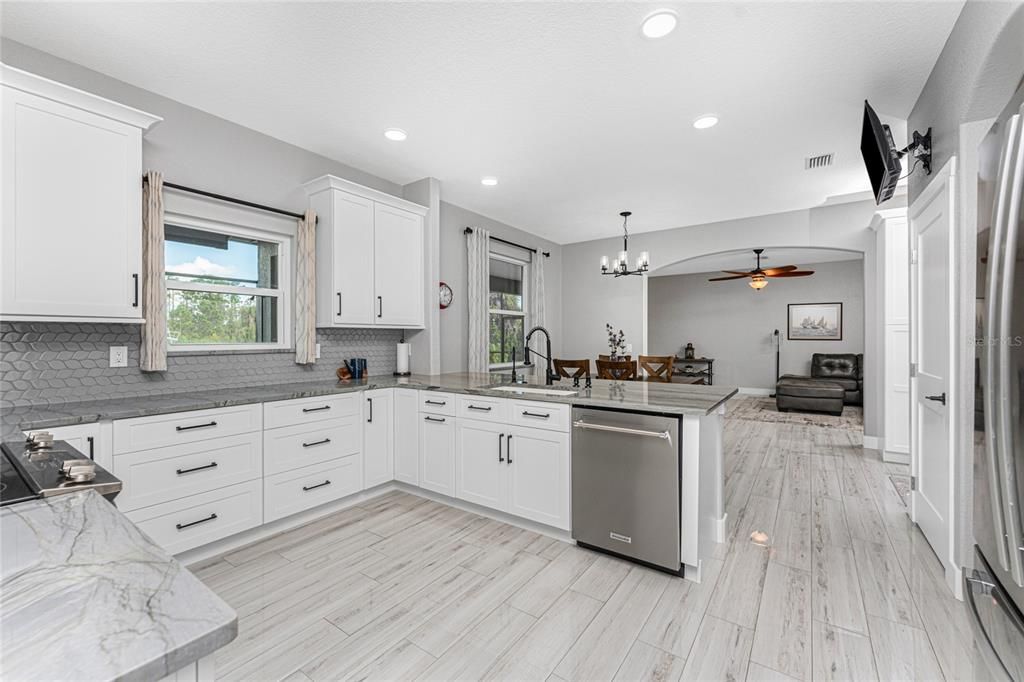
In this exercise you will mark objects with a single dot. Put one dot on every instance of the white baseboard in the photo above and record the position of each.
(722, 528)
(747, 390)
(895, 457)
(873, 442)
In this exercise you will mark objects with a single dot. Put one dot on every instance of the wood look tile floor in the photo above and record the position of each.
(400, 587)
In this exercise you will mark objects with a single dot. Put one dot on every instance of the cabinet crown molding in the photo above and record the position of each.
(80, 99)
(333, 182)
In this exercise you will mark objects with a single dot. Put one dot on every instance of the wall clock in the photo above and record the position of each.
(445, 295)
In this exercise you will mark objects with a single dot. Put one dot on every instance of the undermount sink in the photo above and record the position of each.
(510, 388)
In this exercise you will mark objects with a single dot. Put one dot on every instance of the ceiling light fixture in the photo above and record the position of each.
(395, 134)
(620, 266)
(659, 24)
(705, 121)
(489, 181)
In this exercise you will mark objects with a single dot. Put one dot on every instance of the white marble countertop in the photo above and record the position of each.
(84, 594)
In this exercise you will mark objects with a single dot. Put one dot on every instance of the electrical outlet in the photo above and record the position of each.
(316, 353)
(119, 356)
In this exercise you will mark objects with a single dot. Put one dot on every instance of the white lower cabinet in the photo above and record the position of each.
(437, 453)
(378, 437)
(518, 470)
(289, 493)
(407, 436)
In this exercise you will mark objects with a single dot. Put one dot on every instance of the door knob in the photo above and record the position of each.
(937, 398)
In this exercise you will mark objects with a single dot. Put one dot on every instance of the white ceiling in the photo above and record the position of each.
(743, 260)
(575, 111)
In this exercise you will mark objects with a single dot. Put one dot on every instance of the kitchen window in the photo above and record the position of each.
(226, 287)
(507, 303)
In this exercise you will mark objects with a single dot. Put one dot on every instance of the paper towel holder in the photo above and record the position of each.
(401, 348)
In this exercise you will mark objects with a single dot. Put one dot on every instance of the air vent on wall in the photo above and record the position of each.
(820, 161)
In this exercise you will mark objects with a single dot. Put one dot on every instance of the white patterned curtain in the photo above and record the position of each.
(535, 310)
(478, 248)
(305, 289)
(153, 353)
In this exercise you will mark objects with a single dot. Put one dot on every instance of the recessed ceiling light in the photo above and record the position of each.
(395, 134)
(660, 23)
(489, 180)
(706, 121)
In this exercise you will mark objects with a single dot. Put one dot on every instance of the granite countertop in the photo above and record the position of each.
(84, 594)
(679, 399)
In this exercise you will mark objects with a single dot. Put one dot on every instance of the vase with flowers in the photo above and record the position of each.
(616, 342)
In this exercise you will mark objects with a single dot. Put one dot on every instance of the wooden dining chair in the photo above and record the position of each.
(572, 369)
(657, 367)
(616, 370)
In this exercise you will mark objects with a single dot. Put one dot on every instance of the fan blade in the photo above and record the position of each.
(794, 273)
(737, 272)
(722, 279)
(784, 268)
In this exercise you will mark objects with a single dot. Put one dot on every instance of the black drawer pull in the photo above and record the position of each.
(316, 409)
(536, 414)
(339, 304)
(434, 419)
(307, 488)
(195, 426)
(135, 277)
(435, 402)
(92, 447)
(183, 526)
(370, 420)
(211, 465)
(325, 441)
(501, 439)
(508, 449)
(477, 407)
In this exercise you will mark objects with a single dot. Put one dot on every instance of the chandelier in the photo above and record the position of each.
(620, 265)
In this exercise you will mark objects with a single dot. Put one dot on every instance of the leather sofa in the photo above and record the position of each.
(836, 379)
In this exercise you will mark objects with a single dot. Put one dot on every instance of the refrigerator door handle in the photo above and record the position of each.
(1008, 215)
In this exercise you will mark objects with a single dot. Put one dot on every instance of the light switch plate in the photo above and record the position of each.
(119, 356)
(316, 354)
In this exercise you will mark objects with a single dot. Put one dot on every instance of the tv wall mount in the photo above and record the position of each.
(920, 149)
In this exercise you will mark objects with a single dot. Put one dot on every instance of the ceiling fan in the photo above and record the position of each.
(759, 277)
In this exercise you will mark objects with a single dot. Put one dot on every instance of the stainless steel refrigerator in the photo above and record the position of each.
(994, 589)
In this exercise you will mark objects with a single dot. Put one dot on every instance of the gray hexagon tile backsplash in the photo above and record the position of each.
(66, 362)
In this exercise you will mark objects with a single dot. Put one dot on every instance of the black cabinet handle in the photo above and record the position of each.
(183, 526)
(92, 446)
(370, 420)
(307, 488)
(339, 304)
(479, 408)
(435, 402)
(380, 306)
(325, 441)
(937, 398)
(536, 414)
(195, 426)
(211, 465)
(316, 409)
(136, 278)
(434, 419)
(508, 449)
(501, 439)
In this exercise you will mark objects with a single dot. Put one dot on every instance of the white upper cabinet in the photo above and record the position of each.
(71, 241)
(369, 256)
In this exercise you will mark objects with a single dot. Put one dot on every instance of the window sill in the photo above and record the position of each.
(231, 351)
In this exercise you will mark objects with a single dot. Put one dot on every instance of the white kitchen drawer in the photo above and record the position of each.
(144, 433)
(294, 491)
(436, 402)
(310, 410)
(293, 447)
(201, 519)
(484, 409)
(164, 474)
(540, 415)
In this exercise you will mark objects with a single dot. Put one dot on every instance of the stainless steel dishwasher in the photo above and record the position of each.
(626, 485)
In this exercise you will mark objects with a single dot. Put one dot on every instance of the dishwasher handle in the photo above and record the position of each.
(664, 435)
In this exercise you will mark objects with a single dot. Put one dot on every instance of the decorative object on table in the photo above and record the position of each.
(403, 355)
(687, 370)
(344, 374)
(759, 277)
(357, 367)
(616, 341)
(689, 353)
(619, 267)
(445, 295)
(815, 322)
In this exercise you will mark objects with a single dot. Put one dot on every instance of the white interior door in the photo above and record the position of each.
(931, 225)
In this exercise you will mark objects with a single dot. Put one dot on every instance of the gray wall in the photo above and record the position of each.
(732, 323)
(455, 319)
